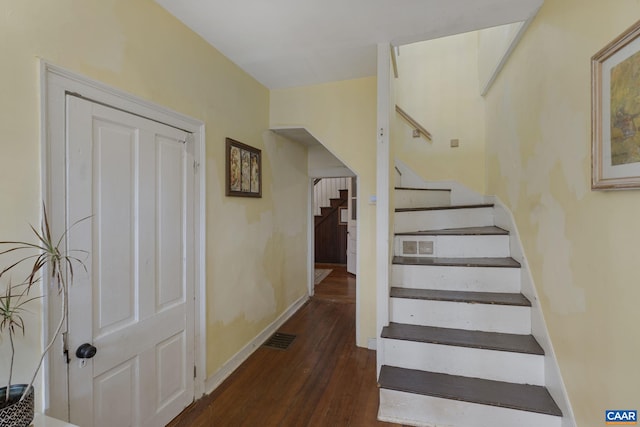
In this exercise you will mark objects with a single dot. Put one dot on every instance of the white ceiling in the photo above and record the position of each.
(287, 43)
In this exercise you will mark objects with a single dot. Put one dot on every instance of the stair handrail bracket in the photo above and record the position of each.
(421, 130)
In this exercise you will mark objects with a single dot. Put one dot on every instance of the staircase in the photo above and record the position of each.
(458, 350)
(330, 232)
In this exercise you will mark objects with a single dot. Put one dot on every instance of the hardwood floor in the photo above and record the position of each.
(322, 379)
(339, 287)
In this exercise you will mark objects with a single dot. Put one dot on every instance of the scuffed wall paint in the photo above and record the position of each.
(557, 280)
(438, 86)
(581, 244)
(342, 116)
(508, 156)
(262, 257)
(256, 248)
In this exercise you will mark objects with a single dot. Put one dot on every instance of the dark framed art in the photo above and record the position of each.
(243, 169)
(615, 113)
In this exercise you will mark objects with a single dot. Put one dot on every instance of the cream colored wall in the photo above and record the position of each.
(493, 44)
(438, 86)
(256, 248)
(342, 116)
(260, 254)
(582, 245)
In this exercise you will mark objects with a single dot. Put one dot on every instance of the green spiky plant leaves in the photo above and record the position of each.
(44, 256)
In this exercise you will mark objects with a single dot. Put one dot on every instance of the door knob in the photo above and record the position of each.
(86, 351)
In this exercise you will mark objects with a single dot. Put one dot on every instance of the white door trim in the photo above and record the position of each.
(383, 216)
(55, 83)
(351, 222)
(311, 241)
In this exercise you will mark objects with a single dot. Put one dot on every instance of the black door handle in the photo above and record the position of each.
(86, 351)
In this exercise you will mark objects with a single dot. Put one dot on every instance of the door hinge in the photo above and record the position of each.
(196, 166)
(65, 347)
(194, 371)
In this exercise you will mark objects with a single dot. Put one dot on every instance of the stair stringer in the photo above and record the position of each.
(503, 218)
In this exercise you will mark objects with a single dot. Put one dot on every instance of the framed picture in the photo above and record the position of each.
(244, 170)
(615, 113)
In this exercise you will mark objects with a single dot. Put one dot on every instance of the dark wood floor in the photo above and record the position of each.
(323, 379)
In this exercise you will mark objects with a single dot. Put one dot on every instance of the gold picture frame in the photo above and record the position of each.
(243, 169)
(615, 113)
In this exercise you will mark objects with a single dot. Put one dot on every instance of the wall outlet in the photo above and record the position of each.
(455, 143)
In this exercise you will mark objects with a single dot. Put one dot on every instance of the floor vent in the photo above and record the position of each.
(280, 341)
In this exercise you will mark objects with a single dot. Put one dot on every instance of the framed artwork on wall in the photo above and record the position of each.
(243, 169)
(615, 113)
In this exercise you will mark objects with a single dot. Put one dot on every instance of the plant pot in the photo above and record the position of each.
(16, 413)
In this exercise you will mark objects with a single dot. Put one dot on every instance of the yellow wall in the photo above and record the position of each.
(493, 44)
(256, 248)
(582, 245)
(342, 116)
(438, 86)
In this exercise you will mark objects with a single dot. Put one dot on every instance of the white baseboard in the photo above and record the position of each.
(553, 378)
(372, 344)
(232, 364)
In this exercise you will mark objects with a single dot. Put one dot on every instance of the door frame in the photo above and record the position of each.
(311, 243)
(354, 179)
(55, 84)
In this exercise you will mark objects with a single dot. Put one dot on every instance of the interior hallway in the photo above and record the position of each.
(322, 379)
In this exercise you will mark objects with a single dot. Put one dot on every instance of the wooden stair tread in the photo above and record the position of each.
(498, 298)
(467, 231)
(335, 203)
(439, 208)
(423, 189)
(457, 262)
(522, 397)
(498, 341)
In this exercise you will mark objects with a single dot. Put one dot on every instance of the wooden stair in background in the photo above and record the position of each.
(330, 234)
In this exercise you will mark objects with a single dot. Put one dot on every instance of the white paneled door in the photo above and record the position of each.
(135, 304)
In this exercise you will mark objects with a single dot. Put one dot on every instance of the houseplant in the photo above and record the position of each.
(46, 256)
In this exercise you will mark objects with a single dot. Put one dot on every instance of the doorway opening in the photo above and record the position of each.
(331, 217)
(323, 165)
(335, 238)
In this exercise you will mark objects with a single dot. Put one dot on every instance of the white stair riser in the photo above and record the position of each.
(442, 219)
(453, 246)
(427, 411)
(465, 361)
(473, 317)
(421, 198)
(480, 279)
